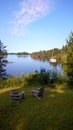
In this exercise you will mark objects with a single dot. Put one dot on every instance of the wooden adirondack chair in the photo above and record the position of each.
(16, 96)
(38, 93)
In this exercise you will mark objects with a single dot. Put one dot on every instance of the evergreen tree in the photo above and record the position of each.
(69, 63)
(3, 61)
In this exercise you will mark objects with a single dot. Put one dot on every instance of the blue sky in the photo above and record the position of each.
(34, 25)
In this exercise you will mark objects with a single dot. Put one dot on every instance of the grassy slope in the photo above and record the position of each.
(53, 112)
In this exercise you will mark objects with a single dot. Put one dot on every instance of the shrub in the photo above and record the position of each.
(42, 78)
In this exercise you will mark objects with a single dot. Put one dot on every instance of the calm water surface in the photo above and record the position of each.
(26, 64)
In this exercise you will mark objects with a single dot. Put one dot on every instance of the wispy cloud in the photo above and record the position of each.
(29, 11)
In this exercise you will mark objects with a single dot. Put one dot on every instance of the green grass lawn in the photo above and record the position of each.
(53, 112)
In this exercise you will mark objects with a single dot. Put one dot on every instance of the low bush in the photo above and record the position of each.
(35, 79)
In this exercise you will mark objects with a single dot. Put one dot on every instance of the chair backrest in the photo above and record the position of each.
(13, 92)
(41, 92)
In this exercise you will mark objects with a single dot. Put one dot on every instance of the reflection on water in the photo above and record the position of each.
(25, 64)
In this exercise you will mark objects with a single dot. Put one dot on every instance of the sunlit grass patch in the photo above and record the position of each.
(3, 90)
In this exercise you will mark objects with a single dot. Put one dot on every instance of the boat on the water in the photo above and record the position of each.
(53, 60)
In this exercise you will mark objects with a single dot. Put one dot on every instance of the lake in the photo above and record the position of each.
(26, 64)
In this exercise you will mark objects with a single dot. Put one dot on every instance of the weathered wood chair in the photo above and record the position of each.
(16, 96)
(38, 93)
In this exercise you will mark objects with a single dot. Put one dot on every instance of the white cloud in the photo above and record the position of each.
(28, 12)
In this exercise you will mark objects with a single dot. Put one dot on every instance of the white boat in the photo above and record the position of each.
(52, 60)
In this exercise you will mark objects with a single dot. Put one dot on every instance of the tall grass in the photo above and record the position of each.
(37, 78)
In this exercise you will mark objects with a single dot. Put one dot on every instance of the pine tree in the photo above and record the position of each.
(3, 61)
